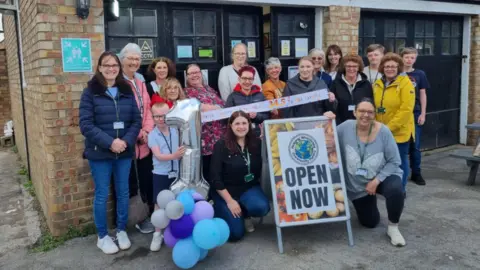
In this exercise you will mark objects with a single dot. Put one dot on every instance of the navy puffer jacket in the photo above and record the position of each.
(97, 115)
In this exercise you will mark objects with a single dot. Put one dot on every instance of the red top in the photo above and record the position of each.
(156, 98)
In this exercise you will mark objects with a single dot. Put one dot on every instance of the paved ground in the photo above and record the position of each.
(441, 224)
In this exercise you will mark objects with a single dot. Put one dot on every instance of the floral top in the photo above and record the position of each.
(211, 131)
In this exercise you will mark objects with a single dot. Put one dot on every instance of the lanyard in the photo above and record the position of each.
(362, 154)
(246, 158)
(168, 145)
(140, 98)
(370, 75)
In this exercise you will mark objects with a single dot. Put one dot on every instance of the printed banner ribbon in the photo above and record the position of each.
(267, 105)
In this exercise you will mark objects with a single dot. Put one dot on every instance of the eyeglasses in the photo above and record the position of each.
(247, 79)
(317, 58)
(111, 66)
(351, 66)
(240, 54)
(134, 59)
(158, 116)
(364, 112)
(193, 73)
(390, 67)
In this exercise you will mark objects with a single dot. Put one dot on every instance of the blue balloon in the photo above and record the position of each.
(223, 230)
(187, 200)
(203, 254)
(185, 253)
(205, 234)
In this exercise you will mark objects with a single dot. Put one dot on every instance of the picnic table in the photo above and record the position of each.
(467, 154)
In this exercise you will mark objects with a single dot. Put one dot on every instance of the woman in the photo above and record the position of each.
(305, 82)
(246, 92)
(349, 87)
(273, 86)
(110, 121)
(318, 57)
(141, 168)
(375, 53)
(172, 91)
(228, 76)
(161, 69)
(395, 98)
(211, 131)
(334, 56)
(235, 172)
(371, 165)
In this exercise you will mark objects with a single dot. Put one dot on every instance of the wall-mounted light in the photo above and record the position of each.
(303, 25)
(112, 10)
(83, 8)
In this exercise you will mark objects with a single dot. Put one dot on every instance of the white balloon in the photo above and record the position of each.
(174, 210)
(164, 197)
(159, 219)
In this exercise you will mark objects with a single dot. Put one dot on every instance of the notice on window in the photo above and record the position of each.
(146, 45)
(301, 47)
(285, 48)
(184, 51)
(205, 52)
(252, 51)
(292, 71)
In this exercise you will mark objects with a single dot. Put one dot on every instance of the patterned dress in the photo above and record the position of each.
(211, 131)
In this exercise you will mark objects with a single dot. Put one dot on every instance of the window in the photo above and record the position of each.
(195, 35)
(134, 24)
(395, 35)
(245, 28)
(366, 35)
(294, 30)
(2, 36)
(425, 37)
(451, 37)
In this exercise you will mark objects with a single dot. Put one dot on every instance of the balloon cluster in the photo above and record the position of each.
(190, 228)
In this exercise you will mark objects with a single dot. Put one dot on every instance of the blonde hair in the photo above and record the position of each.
(159, 105)
(408, 50)
(170, 83)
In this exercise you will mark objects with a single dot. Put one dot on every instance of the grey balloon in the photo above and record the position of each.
(164, 197)
(185, 116)
(174, 210)
(159, 219)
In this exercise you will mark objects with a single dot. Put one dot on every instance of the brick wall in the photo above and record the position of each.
(340, 26)
(5, 113)
(474, 90)
(60, 175)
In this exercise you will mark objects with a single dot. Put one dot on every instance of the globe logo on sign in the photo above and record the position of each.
(303, 149)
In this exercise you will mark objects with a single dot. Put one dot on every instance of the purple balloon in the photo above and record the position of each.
(197, 197)
(168, 238)
(182, 227)
(202, 210)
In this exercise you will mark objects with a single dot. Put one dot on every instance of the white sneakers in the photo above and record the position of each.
(107, 245)
(249, 225)
(123, 241)
(156, 241)
(396, 237)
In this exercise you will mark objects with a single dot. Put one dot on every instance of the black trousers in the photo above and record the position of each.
(366, 207)
(144, 183)
(206, 173)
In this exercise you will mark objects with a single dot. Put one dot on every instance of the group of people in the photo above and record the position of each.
(122, 117)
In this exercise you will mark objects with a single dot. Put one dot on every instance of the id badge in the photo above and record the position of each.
(381, 110)
(361, 172)
(172, 174)
(249, 177)
(351, 108)
(118, 125)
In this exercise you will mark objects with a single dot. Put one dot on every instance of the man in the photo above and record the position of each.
(420, 81)
(375, 54)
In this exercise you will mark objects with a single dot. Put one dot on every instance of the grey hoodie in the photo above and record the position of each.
(294, 87)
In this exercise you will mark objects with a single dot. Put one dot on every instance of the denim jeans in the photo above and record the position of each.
(415, 154)
(253, 202)
(403, 150)
(366, 207)
(102, 171)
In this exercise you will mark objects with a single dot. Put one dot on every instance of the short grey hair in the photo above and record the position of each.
(271, 62)
(130, 48)
(316, 51)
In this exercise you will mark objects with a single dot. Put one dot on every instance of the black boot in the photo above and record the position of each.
(418, 179)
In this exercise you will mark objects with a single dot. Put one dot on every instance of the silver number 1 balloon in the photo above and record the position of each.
(185, 115)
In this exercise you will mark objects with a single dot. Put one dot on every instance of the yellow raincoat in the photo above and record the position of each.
(398, 99)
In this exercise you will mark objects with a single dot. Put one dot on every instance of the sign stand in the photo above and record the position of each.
(307, 181)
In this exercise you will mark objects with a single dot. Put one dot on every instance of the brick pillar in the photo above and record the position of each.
(341, 26)
(5, 113)
(60, 175)
(474, 84)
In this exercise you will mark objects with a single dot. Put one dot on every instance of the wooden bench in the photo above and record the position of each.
(472, 162)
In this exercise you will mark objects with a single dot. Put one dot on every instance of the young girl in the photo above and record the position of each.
(163, 141)
(170, 93)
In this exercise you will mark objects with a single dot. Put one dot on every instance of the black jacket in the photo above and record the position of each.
(294, 87)
(339, 87)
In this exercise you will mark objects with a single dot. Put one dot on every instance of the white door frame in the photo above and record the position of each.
(467, 31)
